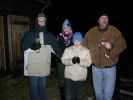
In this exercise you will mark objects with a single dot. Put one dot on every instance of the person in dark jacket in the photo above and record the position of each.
(30, 46)
(65, 40)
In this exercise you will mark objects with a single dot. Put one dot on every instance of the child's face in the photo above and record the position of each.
(77, 43)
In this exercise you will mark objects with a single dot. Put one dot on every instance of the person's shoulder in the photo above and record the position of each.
(92, 29)
(85, 48)
(69, 48)
(50, 34)
(31, 32)
(26, 35)
(115, 29)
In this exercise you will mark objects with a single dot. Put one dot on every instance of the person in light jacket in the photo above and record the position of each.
(76, 59)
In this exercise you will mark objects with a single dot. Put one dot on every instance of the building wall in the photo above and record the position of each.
(2, 46)
(17, 25)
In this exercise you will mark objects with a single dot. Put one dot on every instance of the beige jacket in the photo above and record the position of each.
(76, 72)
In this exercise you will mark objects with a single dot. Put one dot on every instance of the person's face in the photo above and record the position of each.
(77, 43)
(41, 21)
(103, 21)
(67, 30)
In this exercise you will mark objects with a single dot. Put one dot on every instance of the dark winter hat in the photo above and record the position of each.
(102, 13)
(35, 46)
(41, 15)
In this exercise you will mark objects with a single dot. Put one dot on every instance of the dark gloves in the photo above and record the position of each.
(35, 46)
(78, 60)
(75, 60)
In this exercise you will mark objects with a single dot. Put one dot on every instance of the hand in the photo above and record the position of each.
(107, 45)
(35, 46)
(78, 60)
(74, 60)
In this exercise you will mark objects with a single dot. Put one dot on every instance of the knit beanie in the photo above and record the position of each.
(41, 15)
(102, 13)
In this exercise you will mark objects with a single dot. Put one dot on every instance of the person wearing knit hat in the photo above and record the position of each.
(77, 37)
(76, 59)
(41, 21)
(65, 40)
(102, 13)
(106, 43)
(41, 15)
(38, 46)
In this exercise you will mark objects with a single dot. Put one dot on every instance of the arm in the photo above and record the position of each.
(88, 41)
(86, 61)
(66, 57)
(26, 62)
(55, 45)
(85, 40)
(119, 45)
(27, 41)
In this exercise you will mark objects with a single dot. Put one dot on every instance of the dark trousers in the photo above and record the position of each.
(73, 89)
(60, 74)
(62, 92)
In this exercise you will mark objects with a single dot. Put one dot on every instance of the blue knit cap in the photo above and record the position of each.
(77, 37)
(66, 24)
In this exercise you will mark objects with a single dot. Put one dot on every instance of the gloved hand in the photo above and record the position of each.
(74, 60)
(78, 60)
(35, 46)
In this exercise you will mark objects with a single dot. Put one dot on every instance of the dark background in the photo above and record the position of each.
(82, 15)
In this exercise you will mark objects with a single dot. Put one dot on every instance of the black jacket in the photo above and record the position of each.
(49, 39)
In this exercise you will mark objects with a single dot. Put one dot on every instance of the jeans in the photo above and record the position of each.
(38, 88)
(73, 89)
(104, 82)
